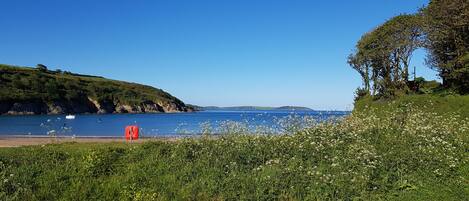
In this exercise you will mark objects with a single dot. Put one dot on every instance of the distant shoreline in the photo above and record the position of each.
(240, 108)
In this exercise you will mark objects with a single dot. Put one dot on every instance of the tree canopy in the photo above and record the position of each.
(382, 56)
(447, 29)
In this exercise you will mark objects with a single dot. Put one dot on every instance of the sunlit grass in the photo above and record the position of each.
(409, 153)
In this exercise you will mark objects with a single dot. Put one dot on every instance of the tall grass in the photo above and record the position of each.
(406, 154)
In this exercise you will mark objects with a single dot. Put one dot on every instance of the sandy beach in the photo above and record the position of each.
(18, 141)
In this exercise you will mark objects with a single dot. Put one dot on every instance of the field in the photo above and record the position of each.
(400, 150)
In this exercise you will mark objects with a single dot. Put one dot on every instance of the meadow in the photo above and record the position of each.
(405, 153)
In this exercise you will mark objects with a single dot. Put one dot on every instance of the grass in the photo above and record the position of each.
(386, 153)
(433, 103)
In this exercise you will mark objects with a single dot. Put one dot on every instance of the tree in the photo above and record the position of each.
(359, 63)
(52, 89)
(382, 56)
(406, 33)
(37, 82)
(41, 67)
(18, 82)
(447, 28)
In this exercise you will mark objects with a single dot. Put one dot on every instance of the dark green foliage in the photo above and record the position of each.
(420, 86)
(382, 56)
(447, 27)
(25, 84)
(41, 67)
(360, 93)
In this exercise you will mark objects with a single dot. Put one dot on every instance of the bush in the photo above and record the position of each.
(360, 93)
(41, 67)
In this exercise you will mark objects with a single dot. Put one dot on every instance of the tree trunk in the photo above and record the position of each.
(405, 73)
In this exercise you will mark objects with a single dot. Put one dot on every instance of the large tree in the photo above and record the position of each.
(386, 53)
(405, 35)
(447, 28)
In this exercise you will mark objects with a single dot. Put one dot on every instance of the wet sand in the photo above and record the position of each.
(18, 141)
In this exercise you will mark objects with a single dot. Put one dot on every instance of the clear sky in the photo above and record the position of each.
(205, 52)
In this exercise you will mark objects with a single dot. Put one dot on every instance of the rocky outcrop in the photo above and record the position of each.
(82, 106)
(103, 107)
(79, 106)
(146, 107)
(87, 105)
(151, 107)
(57, 108)
(27, 108)
(172, 107)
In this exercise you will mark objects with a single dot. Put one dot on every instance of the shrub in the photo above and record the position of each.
(41, 67)
(360, 93)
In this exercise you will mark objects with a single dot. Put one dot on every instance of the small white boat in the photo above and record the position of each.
(70, 116)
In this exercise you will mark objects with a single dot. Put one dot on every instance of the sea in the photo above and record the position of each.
(164, 124)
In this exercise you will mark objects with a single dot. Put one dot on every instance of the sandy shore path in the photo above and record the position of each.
(17, 141)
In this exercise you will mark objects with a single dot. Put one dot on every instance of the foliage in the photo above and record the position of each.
(41, 67)
(27, 84)
(382, 56)
(397, 151)
(360, 93)
(447, 27)
(421, 86)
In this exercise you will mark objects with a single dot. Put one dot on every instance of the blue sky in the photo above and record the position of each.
(205, 52)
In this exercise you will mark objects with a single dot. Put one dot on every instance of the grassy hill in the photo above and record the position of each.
(25, 90)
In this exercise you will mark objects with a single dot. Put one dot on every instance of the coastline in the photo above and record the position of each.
(31, 140)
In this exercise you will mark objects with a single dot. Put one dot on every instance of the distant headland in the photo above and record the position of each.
(238, 108)
(27, 91)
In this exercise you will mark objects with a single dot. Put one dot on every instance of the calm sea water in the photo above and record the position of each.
(151, 124)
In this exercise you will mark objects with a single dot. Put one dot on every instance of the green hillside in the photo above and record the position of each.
(38, 89)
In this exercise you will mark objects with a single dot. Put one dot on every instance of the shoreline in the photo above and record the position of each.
(29, 140)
